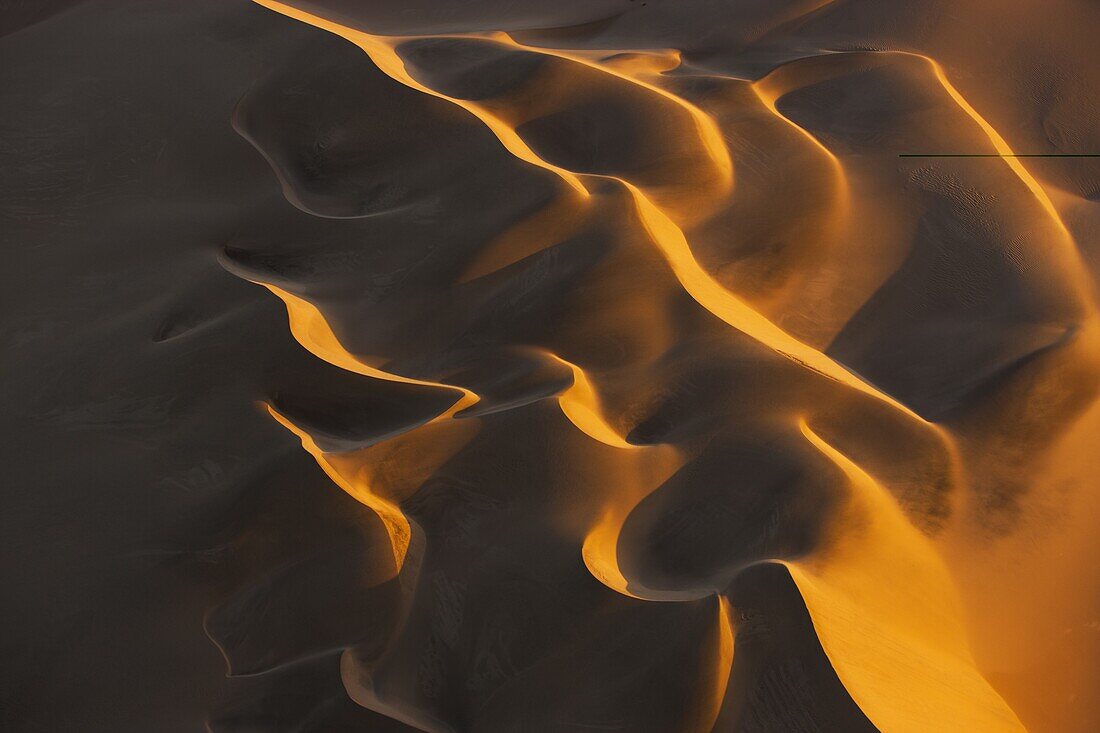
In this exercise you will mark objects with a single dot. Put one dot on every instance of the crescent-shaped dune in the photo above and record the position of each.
(580, 366)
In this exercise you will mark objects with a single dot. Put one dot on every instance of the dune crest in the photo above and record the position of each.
(679, 366)
(889, 617)
(876, 588)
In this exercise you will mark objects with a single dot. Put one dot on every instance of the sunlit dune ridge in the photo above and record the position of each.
(882, 599)
(579, 402)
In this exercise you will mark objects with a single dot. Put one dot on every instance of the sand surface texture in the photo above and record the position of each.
(510, 365)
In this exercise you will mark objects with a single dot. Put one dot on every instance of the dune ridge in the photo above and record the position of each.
(955, 694)
(500, 365)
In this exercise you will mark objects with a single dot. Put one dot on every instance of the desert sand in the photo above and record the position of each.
(602, 365)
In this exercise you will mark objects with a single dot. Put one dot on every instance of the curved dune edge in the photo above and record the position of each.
(724, 658)
(397, 524)
(883, 608)
(666, 234)
(579, 403)
(310, 329)
(888, 618)
(601, 557)
(1070, 254)
(880, 597)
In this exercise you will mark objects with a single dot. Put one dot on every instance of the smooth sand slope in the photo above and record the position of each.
(505, 366)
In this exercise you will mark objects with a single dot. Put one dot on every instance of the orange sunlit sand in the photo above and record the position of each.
(500, 365)
(878, 588)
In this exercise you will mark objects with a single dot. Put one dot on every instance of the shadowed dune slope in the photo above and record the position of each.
(492, 366)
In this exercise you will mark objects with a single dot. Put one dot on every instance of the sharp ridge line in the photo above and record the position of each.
(387, 60)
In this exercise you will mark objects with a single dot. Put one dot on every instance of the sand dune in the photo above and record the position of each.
(597, 366)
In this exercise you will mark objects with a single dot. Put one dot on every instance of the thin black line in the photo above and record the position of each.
(999, 155)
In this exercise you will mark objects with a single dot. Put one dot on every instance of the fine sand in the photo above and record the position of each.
(507, 365)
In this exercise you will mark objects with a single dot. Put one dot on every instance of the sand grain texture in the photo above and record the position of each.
(495, 366)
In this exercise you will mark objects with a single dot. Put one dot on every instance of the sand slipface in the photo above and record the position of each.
(502, 366)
